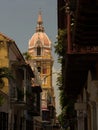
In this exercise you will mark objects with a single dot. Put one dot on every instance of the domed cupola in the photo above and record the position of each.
(39, 38)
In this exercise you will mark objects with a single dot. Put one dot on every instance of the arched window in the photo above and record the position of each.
(44, 70)
(38, 51)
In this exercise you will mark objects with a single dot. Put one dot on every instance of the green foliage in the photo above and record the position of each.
(60, 43)
(62, 119)
(67, 103)
(67, 116)
(5, 73)
(70, 109)
(63, 99)
(68, 113)
(27, 56)
(59, 81)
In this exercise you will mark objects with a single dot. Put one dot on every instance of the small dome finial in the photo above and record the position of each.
(40, 21)
(39, 27)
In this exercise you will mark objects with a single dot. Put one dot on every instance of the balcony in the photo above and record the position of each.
(33, 104)
(52, 111)
(80, 49)
(20, 104)
(46, 116)
(17, 98)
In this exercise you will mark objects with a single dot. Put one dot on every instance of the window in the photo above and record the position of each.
(46, 115)
(44, 70)
(39, 69)
(38, 51)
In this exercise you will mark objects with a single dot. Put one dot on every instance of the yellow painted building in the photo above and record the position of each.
(9, 53)
(14, 102)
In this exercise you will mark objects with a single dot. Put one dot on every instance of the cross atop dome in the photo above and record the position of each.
(40, 21)
(40, 27)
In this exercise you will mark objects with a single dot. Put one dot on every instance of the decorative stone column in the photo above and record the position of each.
(80, 120)
(93, 100)
(80, 107)
(93, 116)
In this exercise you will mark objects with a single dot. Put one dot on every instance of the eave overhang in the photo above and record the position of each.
(86, 23)
(76, 71)
(85, 34)
(61, 13)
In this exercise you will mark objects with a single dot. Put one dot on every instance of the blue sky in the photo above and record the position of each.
(18, 20)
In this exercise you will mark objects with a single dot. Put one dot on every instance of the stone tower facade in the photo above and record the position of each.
(40, 48)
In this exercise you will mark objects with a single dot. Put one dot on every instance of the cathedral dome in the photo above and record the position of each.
(39, 35)
(42, 37)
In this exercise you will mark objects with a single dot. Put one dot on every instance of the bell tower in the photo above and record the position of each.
(40, 48)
